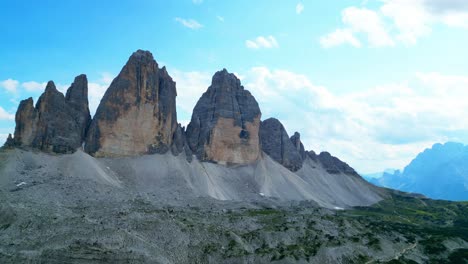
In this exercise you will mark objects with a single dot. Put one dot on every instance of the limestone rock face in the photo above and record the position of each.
(137, 114)
(276, 143)
(56, 124)
(225, 123)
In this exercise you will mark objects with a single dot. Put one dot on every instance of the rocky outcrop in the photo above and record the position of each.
(137, 114)
(332, 164)
(296, 140)
(77, 100)
(225, 123)
(276, 143)
(9, 143)
(57, 123)
(26, 123)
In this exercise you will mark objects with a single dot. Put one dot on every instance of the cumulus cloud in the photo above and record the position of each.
(3, 138)
(381, 127)
(33, 86)
(190, 86)
(338, 37)
(267, 42)
(9, 85)
(359, 21)
(96, 90)
(4, 115)
(189, 23)
(443, 6)
(299, 8)
(401, 21)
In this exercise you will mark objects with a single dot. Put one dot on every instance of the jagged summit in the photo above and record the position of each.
(57, 123)
(50, 87)
(224, 80)
(225, 123)
(142, 56)
(137, 116)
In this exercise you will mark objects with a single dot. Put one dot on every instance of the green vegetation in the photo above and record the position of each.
(419, 224)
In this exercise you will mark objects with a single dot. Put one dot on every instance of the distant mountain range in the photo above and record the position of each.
(440, 172)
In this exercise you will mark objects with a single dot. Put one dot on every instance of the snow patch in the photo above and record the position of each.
(20, 184)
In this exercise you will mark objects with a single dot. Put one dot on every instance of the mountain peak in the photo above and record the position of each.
(223, 80)
(50, 87)
(225, 122)
(137, 114)
(143, 56)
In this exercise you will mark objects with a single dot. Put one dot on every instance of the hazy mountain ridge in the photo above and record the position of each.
(440, 172)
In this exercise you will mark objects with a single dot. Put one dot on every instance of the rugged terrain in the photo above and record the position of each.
(76, 209)
(131, 185)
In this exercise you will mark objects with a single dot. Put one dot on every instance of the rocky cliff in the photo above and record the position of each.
(137, 114)
(225, 123)
(57, 123)
(277, 144)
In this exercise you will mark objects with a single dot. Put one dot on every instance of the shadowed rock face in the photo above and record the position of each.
(56, 124)
(332, 164)
(77, 99)
(225, 123)
(277, 144)
(26, 123)
(137, 114)
(296, 140)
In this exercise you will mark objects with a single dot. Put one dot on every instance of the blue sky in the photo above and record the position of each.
(373, 82)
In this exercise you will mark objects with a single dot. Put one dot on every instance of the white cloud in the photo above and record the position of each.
(33, 86)
(299, 8)
(4, 115)
(10, 85)
(220, 18)
(3, 138)
(190, 86)
(96, 90)
(378, 128)
(362, 20)
(189, 23)
(262, 42)
(338, 37)
(403, 21)
(197, 2)
(410, 18)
